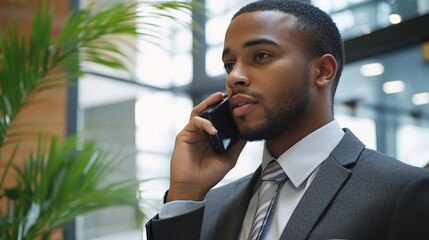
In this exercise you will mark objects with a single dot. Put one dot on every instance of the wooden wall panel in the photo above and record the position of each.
(49, 114)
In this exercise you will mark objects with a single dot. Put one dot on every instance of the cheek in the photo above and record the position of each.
(228, 91)
(284, 88)
(275, 91)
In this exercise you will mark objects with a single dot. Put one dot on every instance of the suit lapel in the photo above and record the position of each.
(332, 175)
(229, 225)
(320, 193)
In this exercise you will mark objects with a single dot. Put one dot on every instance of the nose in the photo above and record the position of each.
(237, 77)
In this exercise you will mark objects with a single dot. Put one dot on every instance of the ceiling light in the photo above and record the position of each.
(372, 69)
(393, 86)
(421, 98)
(365, 29)
(395, 18)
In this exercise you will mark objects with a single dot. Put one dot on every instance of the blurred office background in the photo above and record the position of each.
(383, 95)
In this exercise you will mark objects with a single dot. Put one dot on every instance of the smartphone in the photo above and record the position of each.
(220, 116)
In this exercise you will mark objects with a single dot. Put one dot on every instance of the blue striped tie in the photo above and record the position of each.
(272, 177)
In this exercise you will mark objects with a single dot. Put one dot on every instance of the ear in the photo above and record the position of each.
(326, 70)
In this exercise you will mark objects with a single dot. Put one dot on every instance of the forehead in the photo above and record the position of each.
(274, 25)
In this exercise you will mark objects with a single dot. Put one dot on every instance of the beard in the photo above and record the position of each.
(279, 119)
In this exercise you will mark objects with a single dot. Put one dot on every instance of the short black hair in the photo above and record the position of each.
(319, 32)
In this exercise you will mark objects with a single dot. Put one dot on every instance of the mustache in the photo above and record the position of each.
(254, 95)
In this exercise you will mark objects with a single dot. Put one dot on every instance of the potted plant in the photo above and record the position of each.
(61, 179)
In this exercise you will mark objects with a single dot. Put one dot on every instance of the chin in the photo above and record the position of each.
(257, 133)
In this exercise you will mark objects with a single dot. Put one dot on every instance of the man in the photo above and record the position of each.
(283, 61)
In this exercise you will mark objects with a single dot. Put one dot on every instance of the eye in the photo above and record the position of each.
(228, 66)
(261, 56)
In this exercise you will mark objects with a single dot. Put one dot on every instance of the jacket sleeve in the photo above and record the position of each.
(186, 226)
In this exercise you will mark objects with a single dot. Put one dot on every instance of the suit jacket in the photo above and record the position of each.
(358, 193)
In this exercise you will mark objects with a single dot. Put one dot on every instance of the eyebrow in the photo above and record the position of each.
(252, 43)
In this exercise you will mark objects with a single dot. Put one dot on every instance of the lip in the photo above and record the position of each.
(241, 104)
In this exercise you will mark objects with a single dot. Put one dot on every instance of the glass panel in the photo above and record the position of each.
(214, 64)
(390, 89)
(159, 117)
(106, 114)
(363, 128)
(388, 81)
(249, 160)
(413, 145)
(164, 59)
(142, 124)
(359, 17)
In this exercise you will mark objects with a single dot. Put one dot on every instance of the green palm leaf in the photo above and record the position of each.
(63, 180)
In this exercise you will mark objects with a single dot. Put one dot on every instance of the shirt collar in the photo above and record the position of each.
(305, 156)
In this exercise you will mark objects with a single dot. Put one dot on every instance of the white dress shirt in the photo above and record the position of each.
(300, 163)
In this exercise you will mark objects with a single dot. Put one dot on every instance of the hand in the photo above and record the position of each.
(195, 166)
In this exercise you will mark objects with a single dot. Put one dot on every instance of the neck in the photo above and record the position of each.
(281, 143)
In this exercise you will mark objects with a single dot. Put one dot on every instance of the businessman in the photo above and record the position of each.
(283, 61)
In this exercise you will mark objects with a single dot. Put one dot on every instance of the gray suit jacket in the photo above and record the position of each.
(357, 194)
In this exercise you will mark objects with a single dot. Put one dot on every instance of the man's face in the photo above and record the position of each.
(268, 80)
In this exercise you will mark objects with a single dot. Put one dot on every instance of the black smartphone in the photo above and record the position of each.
(221, 118)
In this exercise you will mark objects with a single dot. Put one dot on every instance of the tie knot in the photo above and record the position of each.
(274, 172)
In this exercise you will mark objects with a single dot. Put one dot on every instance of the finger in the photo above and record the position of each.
(200, 124)
(209, 101)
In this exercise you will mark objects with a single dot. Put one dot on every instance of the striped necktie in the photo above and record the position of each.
(272, 177)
